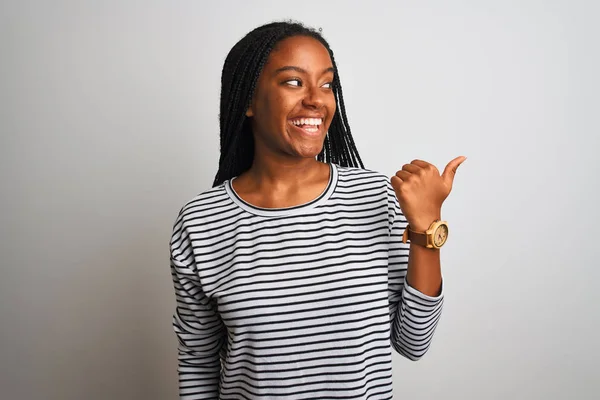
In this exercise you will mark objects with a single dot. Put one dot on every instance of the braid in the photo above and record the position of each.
(239, 78)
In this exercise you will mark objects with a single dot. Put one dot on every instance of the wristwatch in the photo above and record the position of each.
(432, 238)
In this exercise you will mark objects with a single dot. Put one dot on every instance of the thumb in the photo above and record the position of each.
(450, 170)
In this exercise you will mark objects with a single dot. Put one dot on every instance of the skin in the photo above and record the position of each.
(295, 82)
(421, 191)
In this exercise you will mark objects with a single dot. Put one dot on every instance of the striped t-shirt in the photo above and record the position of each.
(303, 302)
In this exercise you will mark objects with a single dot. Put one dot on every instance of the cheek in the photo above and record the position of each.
(271, 115)
(281, 106)
(273, 103)
(331, 108)
(266, 108)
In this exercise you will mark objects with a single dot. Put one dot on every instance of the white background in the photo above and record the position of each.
(109, 123)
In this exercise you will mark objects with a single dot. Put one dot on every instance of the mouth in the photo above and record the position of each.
(307, 126)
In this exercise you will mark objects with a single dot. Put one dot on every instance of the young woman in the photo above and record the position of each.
(294, 275)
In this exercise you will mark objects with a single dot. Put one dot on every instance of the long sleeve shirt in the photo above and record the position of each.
(303, 302)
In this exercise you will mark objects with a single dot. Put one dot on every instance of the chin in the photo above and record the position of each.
(309, 153)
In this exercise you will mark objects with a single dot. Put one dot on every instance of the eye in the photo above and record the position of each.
(327, 85)
(294, 82)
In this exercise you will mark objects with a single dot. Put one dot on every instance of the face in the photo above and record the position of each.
(293, 103)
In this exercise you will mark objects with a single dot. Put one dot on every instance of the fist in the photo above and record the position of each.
(421, 191)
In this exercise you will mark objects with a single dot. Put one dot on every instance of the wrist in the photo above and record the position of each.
(423, 223)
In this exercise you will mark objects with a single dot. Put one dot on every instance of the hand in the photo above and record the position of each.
(421, 191)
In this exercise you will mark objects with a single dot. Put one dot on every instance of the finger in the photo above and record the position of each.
(450, 170)
(412, 168)
(396, 181)
(420, 163)
(403, 175)
(425, 165)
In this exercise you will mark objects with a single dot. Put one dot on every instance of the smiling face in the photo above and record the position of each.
(293, 103)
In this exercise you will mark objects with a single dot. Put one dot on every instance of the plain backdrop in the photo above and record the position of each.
(109, 123)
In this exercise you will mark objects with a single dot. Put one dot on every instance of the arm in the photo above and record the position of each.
(414, 310)
(424, 268)
(198, 327)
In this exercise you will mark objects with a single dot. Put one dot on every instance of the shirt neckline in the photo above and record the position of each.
(297, 209)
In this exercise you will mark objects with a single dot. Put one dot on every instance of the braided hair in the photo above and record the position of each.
(241, 70)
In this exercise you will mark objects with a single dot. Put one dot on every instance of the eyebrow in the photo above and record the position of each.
(301, 70)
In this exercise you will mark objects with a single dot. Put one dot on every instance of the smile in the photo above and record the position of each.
(310, 126)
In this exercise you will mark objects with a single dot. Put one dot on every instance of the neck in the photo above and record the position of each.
(285, 173)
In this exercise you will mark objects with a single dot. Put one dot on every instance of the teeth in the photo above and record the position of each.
(307, 121)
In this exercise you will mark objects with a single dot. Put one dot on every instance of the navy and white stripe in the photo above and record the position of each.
(304, 302)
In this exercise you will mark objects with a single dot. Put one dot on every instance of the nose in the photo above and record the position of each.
(314, 97)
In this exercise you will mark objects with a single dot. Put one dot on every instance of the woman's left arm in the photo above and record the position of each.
(416, 285)
(414, 311)
(424, 270)
(421, 191)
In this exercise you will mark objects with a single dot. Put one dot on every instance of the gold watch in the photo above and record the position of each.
(432, 238)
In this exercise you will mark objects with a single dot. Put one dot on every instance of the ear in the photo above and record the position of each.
(249, 112)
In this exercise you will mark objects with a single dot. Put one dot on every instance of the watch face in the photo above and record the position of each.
(440, 235)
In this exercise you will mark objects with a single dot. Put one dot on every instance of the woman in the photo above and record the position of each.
(292, 274)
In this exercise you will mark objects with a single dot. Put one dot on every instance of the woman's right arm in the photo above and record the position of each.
(197, 324)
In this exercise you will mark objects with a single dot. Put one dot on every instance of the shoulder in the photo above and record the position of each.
(203, 206)
(368, 182)
(356, 176)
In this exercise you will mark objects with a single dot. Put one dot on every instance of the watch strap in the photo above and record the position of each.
(414, 237)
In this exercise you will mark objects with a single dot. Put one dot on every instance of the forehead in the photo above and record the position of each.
(300, 51)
